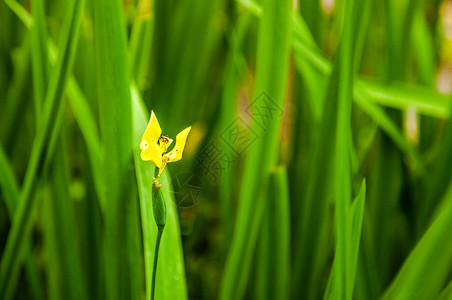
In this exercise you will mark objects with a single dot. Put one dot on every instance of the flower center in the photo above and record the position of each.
(164, 143)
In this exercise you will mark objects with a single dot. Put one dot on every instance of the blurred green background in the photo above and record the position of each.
(318, 165)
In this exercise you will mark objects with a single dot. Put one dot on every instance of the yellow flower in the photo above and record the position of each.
(154, 146)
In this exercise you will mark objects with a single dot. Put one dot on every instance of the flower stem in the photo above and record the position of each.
(156, 173)
(156, 254)
(159, 209)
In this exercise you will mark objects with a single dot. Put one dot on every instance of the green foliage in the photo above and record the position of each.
(272, 63)
(43, 148)
(274, 240)
(296, 107)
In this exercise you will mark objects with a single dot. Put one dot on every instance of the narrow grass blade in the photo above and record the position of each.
(252, 6)
(63, 261)
(140, 43)
(438, 179)
(10, 191)
(122, 240)
(170, 283)
(89, 129)
(16, 99)
(423, 41)
(39, 57)
(23, 221)
(422, 99)
(368, 284)
(90, 232)
(273, 270)
(235, 69)
(380, 117)
(20, 12)
(424, 272)
(446, 294)
(342, 172)
(271, 79)
(384, 182)
(356, 222)
(312, 12)
(8, 184)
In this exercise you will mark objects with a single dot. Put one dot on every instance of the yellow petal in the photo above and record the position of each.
(162, 168)
(176, 153)
(151, 151)
(153, 130)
